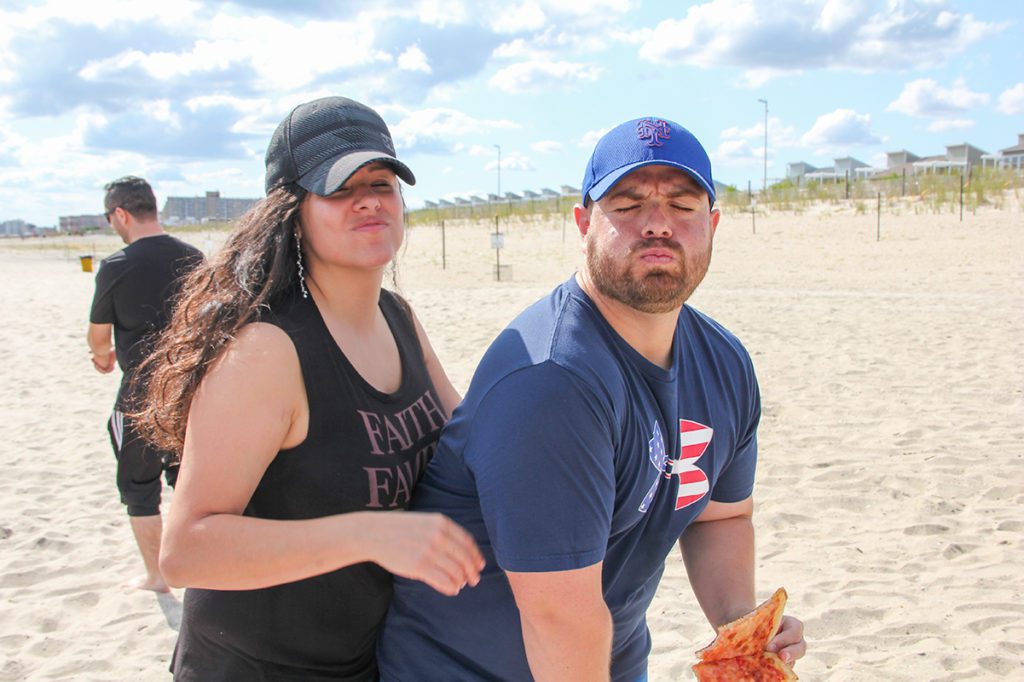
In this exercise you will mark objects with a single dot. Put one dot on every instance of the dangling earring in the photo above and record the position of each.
(298, 262)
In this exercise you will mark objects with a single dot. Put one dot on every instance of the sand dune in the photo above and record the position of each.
(889, 490)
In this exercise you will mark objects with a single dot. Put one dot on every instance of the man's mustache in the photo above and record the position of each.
(656, 242)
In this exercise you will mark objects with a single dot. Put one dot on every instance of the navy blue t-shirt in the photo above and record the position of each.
(571, 448)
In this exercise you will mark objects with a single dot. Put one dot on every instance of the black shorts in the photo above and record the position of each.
(139, 467)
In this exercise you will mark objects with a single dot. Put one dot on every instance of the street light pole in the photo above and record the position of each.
(498, 147)
(764, 185)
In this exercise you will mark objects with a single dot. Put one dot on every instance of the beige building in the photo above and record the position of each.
(1011, 157)
(209, 208)
(75, 224)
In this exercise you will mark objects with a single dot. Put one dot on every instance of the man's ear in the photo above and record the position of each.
(716, 215)
(582, 216)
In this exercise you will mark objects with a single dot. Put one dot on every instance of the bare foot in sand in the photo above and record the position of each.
(147, 583)
(147, 535)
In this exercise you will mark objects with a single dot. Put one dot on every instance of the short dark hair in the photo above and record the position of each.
(133, 195)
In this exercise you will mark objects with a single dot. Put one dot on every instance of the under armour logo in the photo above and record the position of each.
(694, 439)
(653, 131)
(658, 456)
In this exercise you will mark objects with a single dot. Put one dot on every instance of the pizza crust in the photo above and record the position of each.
(763, 667)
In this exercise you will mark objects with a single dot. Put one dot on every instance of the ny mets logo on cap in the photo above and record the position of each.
(652, 131)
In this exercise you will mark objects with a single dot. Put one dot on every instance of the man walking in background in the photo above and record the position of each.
(134, 290)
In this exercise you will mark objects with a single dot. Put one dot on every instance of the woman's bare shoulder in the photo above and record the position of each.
(259, 352)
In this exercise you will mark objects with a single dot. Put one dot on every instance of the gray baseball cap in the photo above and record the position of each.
(320, 144)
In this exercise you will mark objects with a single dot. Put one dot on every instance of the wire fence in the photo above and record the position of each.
(921, 193)
(897, 193)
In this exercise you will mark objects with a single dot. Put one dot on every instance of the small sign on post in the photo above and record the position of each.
(497, 243)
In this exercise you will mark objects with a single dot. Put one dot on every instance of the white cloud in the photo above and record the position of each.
(757, 77)
(413, 59)
(513, 161)
(516, 49)
(551, 44)
(755, 131)
(926, 98)
(540, 75)
(841, 128)
(633, 37)
(162, 65)
(510, 160)
(584, 9)
(704, 35)
(945, 125)
(837, 15)
(736, 152)
(12, 146)
(547, 147)
(589, 139)
(442, 13)
(258, 116)
(160, 110)
(527, 16)
(207, 101)
(779, 135)
(918, 33)
(1011, 101)
(744, 147)
(301, 51)
(785, 36)
(440, 126)
(448, 92)
(476, 150)
(101, 13)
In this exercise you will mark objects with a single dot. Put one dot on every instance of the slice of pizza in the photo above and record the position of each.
(762, 667)
(750, 634)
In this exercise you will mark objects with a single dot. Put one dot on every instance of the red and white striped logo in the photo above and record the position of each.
(693, 482)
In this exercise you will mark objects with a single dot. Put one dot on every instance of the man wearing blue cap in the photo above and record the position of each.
(606, 423)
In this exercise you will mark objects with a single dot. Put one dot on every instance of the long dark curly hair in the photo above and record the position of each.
(255, 267)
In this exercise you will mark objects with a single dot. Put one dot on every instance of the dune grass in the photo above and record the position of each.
(996, 188)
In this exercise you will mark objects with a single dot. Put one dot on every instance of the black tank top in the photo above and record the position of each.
(364, 450)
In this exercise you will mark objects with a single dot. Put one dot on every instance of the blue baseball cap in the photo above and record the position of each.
(645, 142)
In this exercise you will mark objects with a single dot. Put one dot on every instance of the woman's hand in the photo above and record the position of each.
(427, 547)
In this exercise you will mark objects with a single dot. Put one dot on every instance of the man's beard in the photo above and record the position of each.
(658, 290)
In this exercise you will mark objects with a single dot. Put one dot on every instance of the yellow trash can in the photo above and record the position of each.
(86, 263)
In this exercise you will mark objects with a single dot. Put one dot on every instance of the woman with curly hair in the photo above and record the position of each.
(304, 400)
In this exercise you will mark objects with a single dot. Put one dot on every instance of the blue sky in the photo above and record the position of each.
(187, 93)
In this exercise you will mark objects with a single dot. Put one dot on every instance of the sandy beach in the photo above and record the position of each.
(890, 486)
